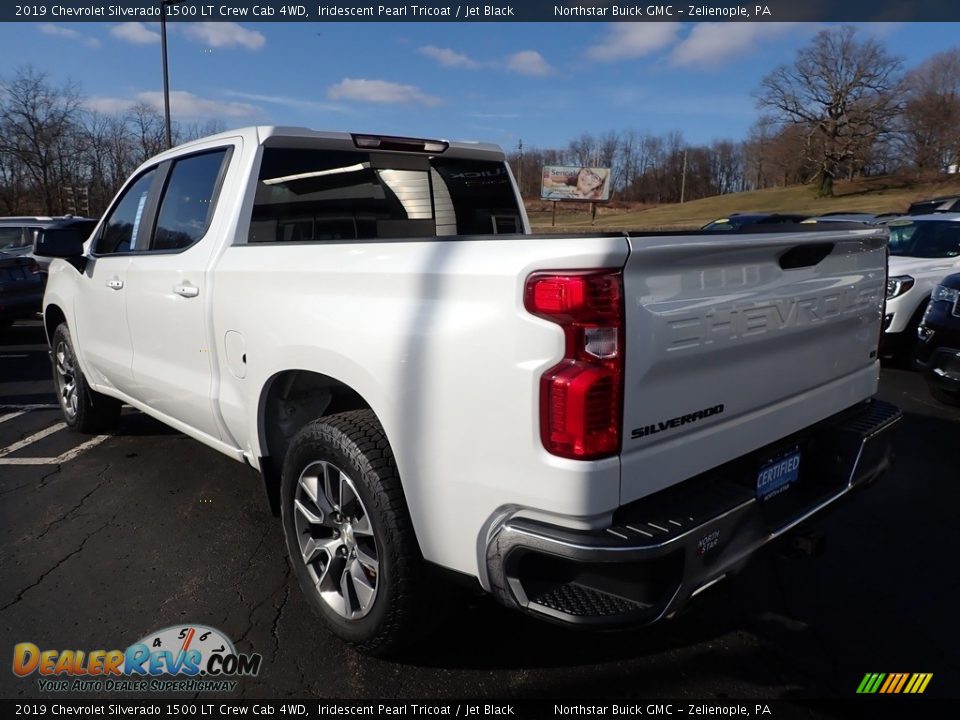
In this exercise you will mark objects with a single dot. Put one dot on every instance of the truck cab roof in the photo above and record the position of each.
(289, 135)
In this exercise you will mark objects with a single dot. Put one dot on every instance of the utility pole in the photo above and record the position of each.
(520, 167)
(164, 4)
(683, 177)
(593, 203)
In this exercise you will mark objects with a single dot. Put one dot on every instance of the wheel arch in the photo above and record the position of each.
(289, 400)
(53, 316)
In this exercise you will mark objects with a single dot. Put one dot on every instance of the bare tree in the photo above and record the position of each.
(147, 128)
(36, 125)
(14, 187)
(191, 131)
(842, 90)
(930, 123)
(582, 151)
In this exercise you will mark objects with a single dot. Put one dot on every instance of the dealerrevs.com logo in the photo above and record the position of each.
(197, 657)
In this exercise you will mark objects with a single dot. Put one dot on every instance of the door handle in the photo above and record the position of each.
(187, 291)
(115, 284)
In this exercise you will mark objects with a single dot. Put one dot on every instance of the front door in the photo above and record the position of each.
(102, 333)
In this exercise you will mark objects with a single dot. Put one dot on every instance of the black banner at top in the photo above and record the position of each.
(490, 11)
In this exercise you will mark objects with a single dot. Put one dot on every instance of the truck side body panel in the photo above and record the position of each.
(434, 337)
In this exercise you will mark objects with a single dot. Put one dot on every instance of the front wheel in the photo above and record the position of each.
(348, 531)
(83, 409)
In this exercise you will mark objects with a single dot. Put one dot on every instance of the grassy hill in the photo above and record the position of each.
(876, 195)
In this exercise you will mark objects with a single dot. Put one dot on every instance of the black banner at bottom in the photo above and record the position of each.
(872, 707)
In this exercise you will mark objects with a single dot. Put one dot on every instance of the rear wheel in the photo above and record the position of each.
(83, 409)
(348, 532)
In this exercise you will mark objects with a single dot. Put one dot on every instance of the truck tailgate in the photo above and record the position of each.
(736, 341)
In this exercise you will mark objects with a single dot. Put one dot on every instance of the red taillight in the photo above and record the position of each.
(581, 398)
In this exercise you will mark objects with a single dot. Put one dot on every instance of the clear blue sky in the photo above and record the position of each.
(545, 83)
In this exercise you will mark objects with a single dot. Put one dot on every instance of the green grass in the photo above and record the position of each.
(874, 195)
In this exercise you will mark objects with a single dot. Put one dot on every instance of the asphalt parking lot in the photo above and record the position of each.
(107, 539)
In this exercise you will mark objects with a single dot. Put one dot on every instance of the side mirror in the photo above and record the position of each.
(59, 243)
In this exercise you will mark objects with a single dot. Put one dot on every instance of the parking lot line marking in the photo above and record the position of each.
(60, 459)
(48, 406)
(83, 447)
(11, 416)
(32, 439)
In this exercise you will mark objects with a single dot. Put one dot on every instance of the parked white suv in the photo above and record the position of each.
(924, 249)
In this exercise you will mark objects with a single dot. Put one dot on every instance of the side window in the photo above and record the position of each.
(11, 237)
(188, 200)
(120, 229)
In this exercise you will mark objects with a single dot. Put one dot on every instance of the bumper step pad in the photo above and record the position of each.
(661, 550)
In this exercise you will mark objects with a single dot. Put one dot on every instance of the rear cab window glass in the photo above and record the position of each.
(188, 201)
(334, 195)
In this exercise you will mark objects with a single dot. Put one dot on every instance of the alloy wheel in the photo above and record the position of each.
(336, 539)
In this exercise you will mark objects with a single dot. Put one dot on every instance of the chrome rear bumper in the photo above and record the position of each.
(662, 550)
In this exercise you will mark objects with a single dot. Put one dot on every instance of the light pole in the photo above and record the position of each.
(683, 179)
(520, 167)
(164, 4)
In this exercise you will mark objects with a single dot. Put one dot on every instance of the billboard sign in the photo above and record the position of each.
(567, 182)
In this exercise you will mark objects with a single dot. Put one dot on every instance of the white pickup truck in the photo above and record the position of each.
(592, 428)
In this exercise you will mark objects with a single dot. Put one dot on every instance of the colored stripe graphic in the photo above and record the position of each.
(918, 683)
(891, 680)
(870, 683)
(894, 683)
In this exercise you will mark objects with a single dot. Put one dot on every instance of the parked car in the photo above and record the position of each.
(21, 288)
(938, 350)
(737, 221)
(17, 234)
(591, 428)
(944, 203)
(924, 249)
(849, 217)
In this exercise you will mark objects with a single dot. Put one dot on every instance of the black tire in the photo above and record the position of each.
(354, 444)
(83, 409)
(944, 396)
(903, 355)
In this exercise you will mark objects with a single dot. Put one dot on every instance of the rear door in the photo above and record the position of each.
(737, 340)
(167, 306)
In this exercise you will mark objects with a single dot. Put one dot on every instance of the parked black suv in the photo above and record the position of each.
(938, 352)
(18, 233)
(944, 203)
(736, 221)
(22, 274)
